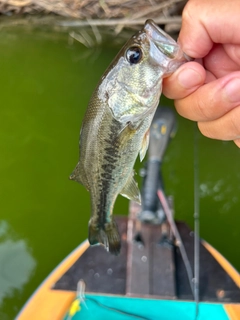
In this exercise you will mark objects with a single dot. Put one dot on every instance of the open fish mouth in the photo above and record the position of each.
(163, 47)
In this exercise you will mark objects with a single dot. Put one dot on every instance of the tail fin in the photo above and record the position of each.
(108, 236)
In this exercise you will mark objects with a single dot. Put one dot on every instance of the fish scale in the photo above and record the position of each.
(116, 125)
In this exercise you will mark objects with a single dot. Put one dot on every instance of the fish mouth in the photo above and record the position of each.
(164, 43)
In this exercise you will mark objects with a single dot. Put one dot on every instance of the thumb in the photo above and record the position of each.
(184, 80)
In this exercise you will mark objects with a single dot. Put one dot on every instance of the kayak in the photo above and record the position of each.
(151, 278)
(112, 293)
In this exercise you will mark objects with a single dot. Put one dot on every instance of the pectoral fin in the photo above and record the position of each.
(145, 144)
(131, 190)
(126, 133)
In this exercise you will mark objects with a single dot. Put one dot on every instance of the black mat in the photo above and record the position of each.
(105, 273)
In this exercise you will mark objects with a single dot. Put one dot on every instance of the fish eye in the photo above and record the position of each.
(134, 55)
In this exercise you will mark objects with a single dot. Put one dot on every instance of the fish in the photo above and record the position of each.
(115, 128)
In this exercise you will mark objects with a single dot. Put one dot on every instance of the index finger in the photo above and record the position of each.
(206, 22)
(211, 100)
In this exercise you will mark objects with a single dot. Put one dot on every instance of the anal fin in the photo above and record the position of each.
(79, 176)
(131, 191)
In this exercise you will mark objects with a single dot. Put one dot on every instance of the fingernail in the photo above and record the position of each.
(189, 78)
(232, 90)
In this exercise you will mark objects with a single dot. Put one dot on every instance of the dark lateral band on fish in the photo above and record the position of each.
(115, 128)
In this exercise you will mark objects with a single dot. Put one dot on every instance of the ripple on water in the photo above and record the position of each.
(16, 262)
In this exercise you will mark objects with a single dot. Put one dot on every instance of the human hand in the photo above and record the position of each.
(207, 90)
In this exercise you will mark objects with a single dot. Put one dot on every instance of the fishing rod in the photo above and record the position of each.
(196, 222)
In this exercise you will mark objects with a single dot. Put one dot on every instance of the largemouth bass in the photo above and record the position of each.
(116, 125)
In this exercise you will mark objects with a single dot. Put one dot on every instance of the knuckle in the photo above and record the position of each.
(189, 11)
(207, 103)
(203, 110)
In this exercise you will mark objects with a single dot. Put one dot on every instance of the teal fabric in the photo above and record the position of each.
(123, 308)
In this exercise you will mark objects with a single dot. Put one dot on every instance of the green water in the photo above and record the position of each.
(45, 84)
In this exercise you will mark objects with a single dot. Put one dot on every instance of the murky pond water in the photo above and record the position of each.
(45, 84)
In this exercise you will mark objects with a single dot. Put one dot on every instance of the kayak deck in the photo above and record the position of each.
(149, 273)
(149, 270)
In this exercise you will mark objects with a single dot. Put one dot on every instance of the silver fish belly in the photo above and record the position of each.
(116, 125)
